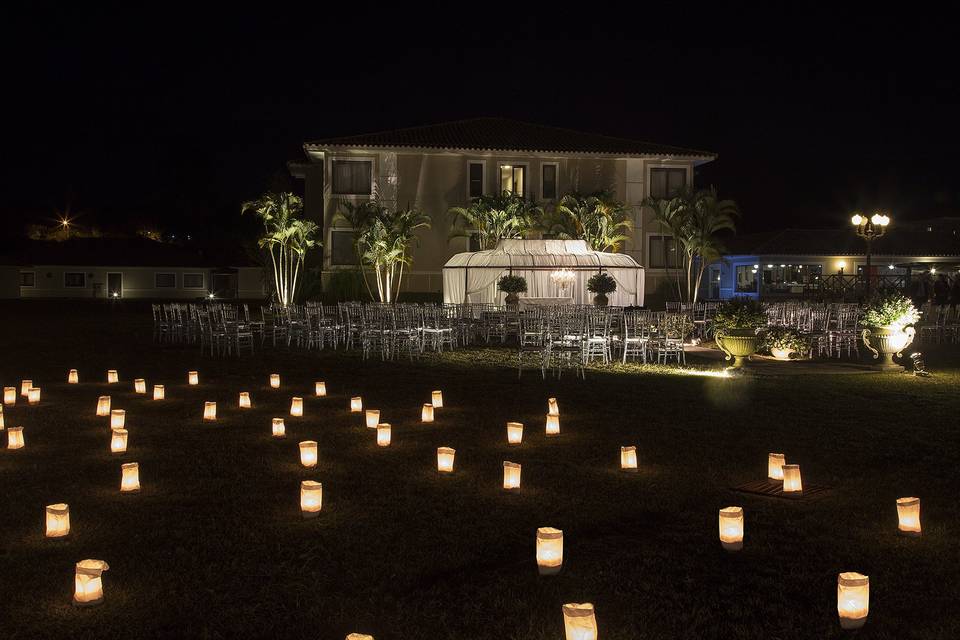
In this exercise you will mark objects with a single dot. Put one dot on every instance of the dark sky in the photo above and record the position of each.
(176, 117)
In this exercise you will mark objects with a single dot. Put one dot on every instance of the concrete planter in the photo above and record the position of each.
(885, 342)
(738, 344)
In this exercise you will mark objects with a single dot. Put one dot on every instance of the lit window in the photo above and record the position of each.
(28, 279)
(75, 280)
(513, 179)
(666, 182)
(352, 177)
(164, 280)
(746, 279)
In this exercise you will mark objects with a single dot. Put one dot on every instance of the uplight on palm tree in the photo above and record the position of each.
(495, 218)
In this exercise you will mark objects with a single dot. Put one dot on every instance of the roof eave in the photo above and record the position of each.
(694, 154)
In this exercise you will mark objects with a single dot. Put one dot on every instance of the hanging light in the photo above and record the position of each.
(112, 376)
(130, 477)
(731, 528)
(9, 395)
(88, 583)
(775, 462)
(57, 520)
(139, 385)
(549, 550)
(511, 476)
(383, 434)
(296, 407)
(118, 441)
(437, 399)
(426, 414)
(103, 406)
(552, 407)
(33, 395)
(244, 400)
(158, 392)
(73, 377)
(210, 411)
(853, 599)
(372, 417)
(445, 457)
(15, 438)
(908, 516)
(792, 483)
(308, 453)
(579, 621)
(275, 380)
(279, 429)
(514, 432)
(118, 418)
(193, 378)
(25, 387)
(320, 389)
(311, 498)
(356, 404)
(553, 424)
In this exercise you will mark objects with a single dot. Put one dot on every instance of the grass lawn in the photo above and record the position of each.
(214, 545)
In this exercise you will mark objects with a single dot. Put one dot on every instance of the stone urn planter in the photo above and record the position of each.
(600, 300)
(738, 344)
(885, 342)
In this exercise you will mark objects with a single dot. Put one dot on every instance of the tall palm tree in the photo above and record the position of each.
(600, 221)
(287, 238)
(670, 214)
(495, 218)
(709, 216)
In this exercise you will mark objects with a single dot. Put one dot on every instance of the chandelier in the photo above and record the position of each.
(563, 278)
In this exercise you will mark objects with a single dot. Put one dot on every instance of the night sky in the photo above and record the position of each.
(172, 119)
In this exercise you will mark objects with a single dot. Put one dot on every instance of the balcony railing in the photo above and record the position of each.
(836, 287)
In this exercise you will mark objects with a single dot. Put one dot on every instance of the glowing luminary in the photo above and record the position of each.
(275, 380)
(579, 621)
(792, 483)
(33, 395)
(383, 434)
(853, 599)
(552, 407)
(57, 520)
(73, 377)
(553, 425)
(514, 432)
(511, 476)
(775, 462)
(549, 550)
(130, 477)
(118, 418)
(112, 376)
(320, 389)
(296, 407)
(908, 514)
(426, 414)
(445, 457)
(9, 395)
(193, 378)
(209, 410)
(88, 583)
(628, 459)
(25, 387)
(279, 429)
(311, 498)
(731, 528)
(372, 417)
(139, 385)
(1, 417)
(436, 399)
(15, 438)
(358, 636)
(244, 400)
(118, 441)
(158, 392)
(356, 404)
(308, 453)
(103, 406)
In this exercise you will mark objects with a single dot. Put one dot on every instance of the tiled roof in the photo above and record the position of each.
(109, 251)
(502, 134)
(844, 242)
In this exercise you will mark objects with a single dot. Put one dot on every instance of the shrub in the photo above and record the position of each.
(601, 284)
(784, 338)
(892, 310)
(739, 313)
(512, 284)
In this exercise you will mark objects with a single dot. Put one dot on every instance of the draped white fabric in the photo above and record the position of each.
(472, 276)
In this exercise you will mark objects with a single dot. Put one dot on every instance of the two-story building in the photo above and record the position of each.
(440, 166)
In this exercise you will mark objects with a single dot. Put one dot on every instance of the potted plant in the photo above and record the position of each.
(782, 342)
(888, 321)
(735, 328)
(600, 285)
(512, 285)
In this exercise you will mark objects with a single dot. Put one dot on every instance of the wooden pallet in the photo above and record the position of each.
(771, 489)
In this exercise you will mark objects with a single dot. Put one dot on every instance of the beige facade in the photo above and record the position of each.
(436, 180)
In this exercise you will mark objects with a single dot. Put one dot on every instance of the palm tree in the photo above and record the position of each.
(495, 218)
(287, 238)
(670, 214)
(598, 219)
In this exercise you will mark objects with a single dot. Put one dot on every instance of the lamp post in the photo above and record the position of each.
(870, 229)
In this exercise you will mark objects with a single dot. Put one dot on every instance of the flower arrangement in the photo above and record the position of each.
(739, 313)
(781, 342)
(892, 310)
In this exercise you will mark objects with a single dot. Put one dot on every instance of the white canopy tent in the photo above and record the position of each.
(472, 276)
